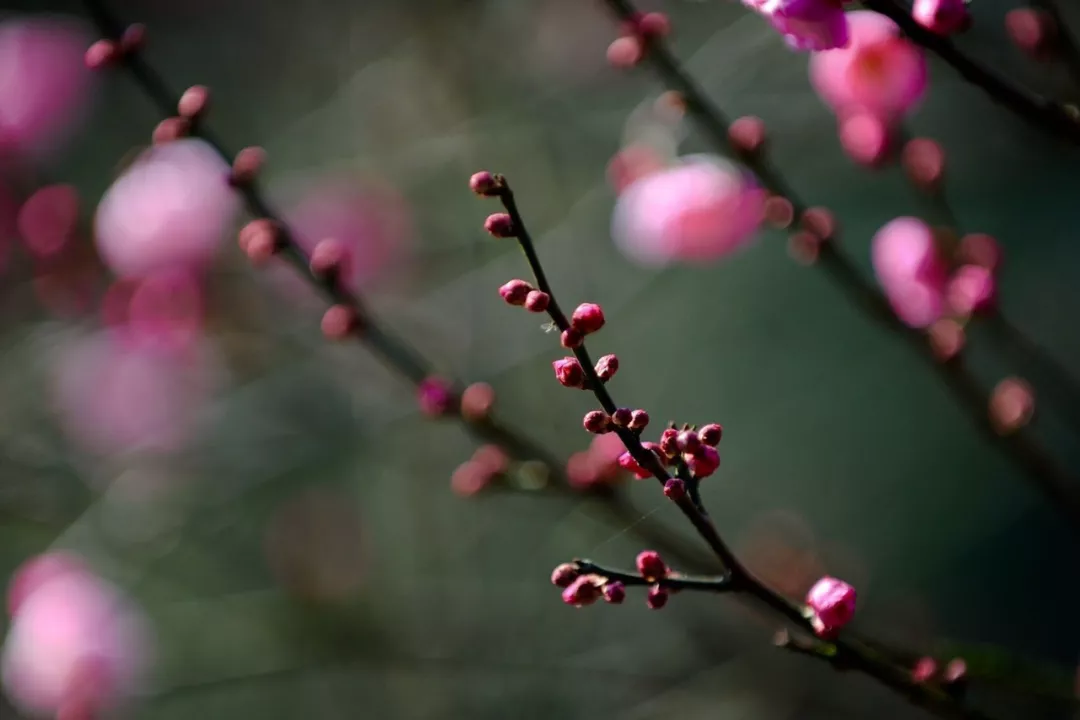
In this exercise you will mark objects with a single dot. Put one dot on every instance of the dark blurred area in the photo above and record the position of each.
(278, 513)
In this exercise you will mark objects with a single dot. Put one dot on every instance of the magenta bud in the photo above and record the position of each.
(101, 54)
(587, 318)
(711, 434)
(606, 367)
(569, 373)
(515, 292)
(654, 25)
(650, 565)
(657, 597)
(669, 443)
(833, 604)
(537, 301)
(194, 102)
(627, 462)
(689, 442)
(923, 160)
(614, 592)
(327, 257)
(435, 397)
(622, 417)
(639, 420)
(338, 322)
(924, 671)
(500, 225)
(485, 184)
(563, 575)
(597, 422)
(704, 462)
(675, 489)
(747, 135)
(246, 165)
(582, 591)
(571, 339)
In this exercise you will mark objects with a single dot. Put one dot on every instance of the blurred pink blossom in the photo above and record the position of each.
(699, 210)
(169, 210)
(879, 72)
(44, 85)
(76, 646)
(114, 396)
(806, 24)
(910, 270)
(48, 219)
(163, 310)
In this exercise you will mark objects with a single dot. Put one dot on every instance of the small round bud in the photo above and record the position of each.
(571, 338)
(820, 221)
(499, 225)
(338, 322)
(563, 575)
(639, 420)
(246, 166)
(1032, 31)
(924, 671)
(133, 38)
(804, 247)
(614, 592)
(669, 442)
(327, 257)
(654, 25)
(675, 489)
(485, 184)
(947, 338)
(435, 397)
(569, 373)
(747, 135)
(622, 417)
(587, 318)
(194, 102)
(625, 52)
(259, 240)
(170, 129)
(537, 301)
(581, 592)
(606, 367)
(657, 597)
(469, 478)
(980, 249)
(650, 565)
(955, 671)
(101, 54)
(779, 212)
(515, 292)
(923, 160)
(597, 422)
(1012, 405)
(704, 462)
(711, 434)
(477, 401)
(689, 442)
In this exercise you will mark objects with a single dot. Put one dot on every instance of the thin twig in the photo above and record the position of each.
(671, 581)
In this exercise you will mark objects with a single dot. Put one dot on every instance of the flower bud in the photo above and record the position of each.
(614, 592)
(484, 184)
(606, 367)
(581, 592)
(675, 489)
(622, 417)
(597, 422)
(651, 565)
(500, 225)
(571, 339)
(689, 442)
(669, 443)
(435, 397)
(704, 462)
(515, 292)
(569, 373)
(587, 318)
(537, 301)
(710, 434)
(639, 420)
(564, 575)
(193, 102)
(833, 604)
(657, 597)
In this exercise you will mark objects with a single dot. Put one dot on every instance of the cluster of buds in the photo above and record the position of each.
(635, 33)
(587, 319)
(694, 447)
(928, 670)
(599, 422)
(581, 589)
(521, 293)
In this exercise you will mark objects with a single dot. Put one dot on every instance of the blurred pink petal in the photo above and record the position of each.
(806, 24)
(44, 85)
(37, 571)
(74, 639)
(879, 72)
(48, 219)
(171, 209)
(116, 397)
(700, 210)
(910, 270)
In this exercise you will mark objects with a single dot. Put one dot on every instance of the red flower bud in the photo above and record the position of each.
(639, 420)
(499, 225)
(537, 301)
(564, 575)
(606, 367)
(711, 434)
(515, 292)
(597, 422)
(651, 565)
(587, 318)
(569, 373)
(571, 339)
(657, 597)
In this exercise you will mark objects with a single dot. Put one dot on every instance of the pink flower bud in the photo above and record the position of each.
(675, 489)
(515, 292)
(622, 417)
(500, 225)
(492, 458)
(259, 240)
(537, 301)
(947, 338)
(704, 462)
(779, 212)
(820, 221)
(924, 670)
(657, 597)
(581, 592)
(944, 17)
(484, 184)
(639, 420)
(246, 165)
(435, 397)
(338, 322)
(747, 135)
(169, 129)
(923, 160)
(971, 290)
(101, 54)
(710, 434)
(469, 478)
(571, 338)
(955, 671)
(1012, 405)
(669, 442)
(477, 401)
(833, 603)
(614, 592)
(327, 257)
(133, 38)
(865, 138)
(606, 367)
(689, 442)
(193, 102)
(625, 52)
(564, 575)
(597, 422)
(569, 373)
(587, 318)
(1031, 30)
(650, 565)
(654, 25)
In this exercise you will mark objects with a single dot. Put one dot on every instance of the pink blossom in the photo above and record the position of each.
(806, 24)
(171, 209)
(37, 571)
(972, 289)
(44, 85)
(699, 210)
(833, 603)
(910, 270)
(48, 219)
(163, 310)
(879, 72)
(76, 645)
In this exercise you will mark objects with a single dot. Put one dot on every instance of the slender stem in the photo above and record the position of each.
(671, 581)
(1048, 475)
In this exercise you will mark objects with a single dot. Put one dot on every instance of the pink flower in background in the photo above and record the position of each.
(171, 209)
(76, 647)
(879, 72)
(48, 219)
(910, 270)
(44, 85)
(699, 210)
(164, 310)
(370, 220)
(115, 397)
(806, 24)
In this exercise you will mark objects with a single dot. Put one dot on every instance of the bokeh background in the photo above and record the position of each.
(298, 552)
